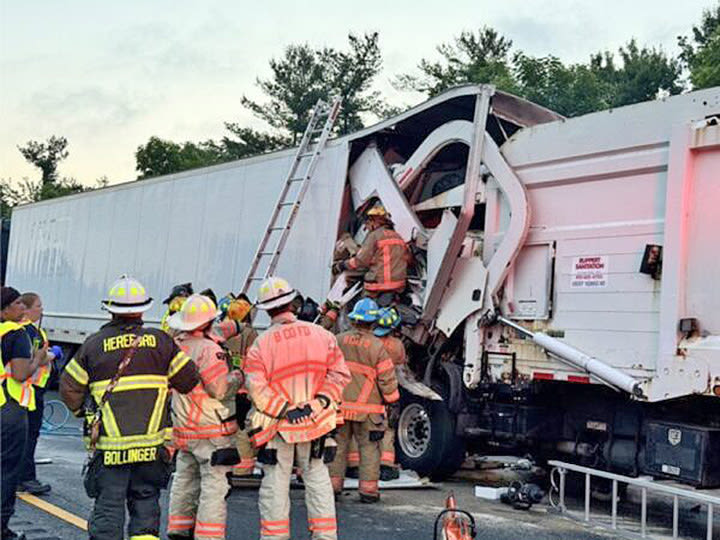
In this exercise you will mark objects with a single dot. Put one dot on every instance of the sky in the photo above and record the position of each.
(109, 75)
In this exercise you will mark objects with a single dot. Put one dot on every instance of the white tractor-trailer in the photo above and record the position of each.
(565, 294)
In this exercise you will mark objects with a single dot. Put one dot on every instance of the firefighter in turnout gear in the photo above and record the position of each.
(386, 329)
(238, 309)
(383, 255)
(128, 370)
(204, 427)
(174, 301)
(372, 386)
(387, 324)
(295, 375)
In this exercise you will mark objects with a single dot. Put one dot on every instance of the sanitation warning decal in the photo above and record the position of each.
(589, 272)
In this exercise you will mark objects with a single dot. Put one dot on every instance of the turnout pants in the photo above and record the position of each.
(387, 451)
(369, 456)
(136, 485)
(387, 448)
(197, 496)
(34, 424)
(247, 455)
(14, 427)
(275, 492)
(242, 441)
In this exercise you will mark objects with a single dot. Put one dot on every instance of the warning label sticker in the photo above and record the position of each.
(589, 272)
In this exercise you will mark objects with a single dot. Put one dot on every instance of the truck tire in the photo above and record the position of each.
(426, 442)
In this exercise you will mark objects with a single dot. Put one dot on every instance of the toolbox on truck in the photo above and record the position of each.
(685, 452)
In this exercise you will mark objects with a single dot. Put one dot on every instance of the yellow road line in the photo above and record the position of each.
(54, 510)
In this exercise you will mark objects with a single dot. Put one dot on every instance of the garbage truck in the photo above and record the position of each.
(564, 295)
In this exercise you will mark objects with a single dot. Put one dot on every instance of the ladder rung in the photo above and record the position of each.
(317, 131)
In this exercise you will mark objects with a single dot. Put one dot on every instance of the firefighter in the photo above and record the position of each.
(174, 301)
(39, 379)
(372, 386)
(383, 255)
(386, 329)
(203, 428)
(387, 324)
(17, 363)
(129, 369)
(295, 375)
(238, 309)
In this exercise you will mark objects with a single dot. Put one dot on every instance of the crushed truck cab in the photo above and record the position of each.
(563, 291)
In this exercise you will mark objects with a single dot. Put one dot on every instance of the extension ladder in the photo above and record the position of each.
(296, 184)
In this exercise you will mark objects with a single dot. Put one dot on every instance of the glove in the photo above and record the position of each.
(339, 267)
(238, 376)
(393, 414)
(57, 352)
(297, 414)
(318, 405)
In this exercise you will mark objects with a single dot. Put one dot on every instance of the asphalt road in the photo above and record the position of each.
(401, 515)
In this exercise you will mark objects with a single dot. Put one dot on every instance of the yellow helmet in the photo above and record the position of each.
(176, 304)
(377, 210)
(238, 309)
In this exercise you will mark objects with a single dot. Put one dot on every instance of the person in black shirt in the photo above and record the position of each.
(16, 357)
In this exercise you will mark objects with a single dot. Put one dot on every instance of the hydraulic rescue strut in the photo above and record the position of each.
(576, 358)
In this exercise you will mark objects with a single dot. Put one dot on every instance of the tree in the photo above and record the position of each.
(570, 90)
(29, 191)
(159, 156)
(46, 156)
(644, 73)
(303, 75)
(486, 57)
(248, 142)
(351, 74)
(701, 53)
(472, 58)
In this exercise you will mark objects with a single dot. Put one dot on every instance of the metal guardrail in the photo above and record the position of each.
(562, 468)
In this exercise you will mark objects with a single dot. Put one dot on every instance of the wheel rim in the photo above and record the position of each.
(414, 430)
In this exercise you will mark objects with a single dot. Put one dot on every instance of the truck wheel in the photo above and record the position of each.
(426, 442)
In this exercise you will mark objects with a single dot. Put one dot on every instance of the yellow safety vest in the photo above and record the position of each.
(22, 392)
(164, 326)
(41, 376)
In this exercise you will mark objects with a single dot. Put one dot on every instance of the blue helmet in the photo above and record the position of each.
(366, 310)
(388, 319)
(224, 303)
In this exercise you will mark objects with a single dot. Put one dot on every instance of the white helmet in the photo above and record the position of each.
(127, 295)
(196, 311)
(275, 292)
